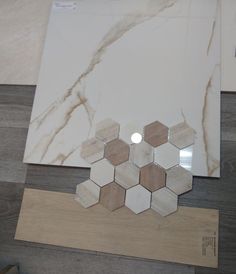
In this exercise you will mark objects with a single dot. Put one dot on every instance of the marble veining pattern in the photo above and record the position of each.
(175, 64)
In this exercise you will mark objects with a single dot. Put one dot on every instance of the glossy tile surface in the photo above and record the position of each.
(107, 130)
(179, 180)
(112, 196)
(152, 177)
(92, 150)
(138, 199)
(166, 155)
(141, 154)
(117, 152)
(164, 201)
(127, 175)
(102, 172)
(172, 76)
(87, 193)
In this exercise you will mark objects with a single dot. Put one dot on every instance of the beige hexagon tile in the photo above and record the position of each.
(141, 154)
(128, 132)
(102, 172)
(92, 150)
(138, 199)
(107, 130)
(181, 135)
(166, 155)
(152, 177)
(164, 201)
(127, 175)
(117, 152)
(179, 180)
(156, 134)
(112, 196)
(87, 193)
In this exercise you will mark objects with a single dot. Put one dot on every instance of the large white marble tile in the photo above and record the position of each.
(128, 61)
(228, 45)
(23, 27)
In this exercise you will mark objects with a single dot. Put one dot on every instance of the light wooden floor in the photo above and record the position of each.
(15, 108)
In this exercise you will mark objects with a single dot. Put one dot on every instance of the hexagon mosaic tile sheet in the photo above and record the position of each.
(140, 168)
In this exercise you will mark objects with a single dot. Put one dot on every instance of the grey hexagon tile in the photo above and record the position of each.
(186, 157)
(181, 135)
(87, 193)
(166, 155)
(164, 201)
(107, 130)
(141, 154)
(131, 133)
(179, 180)
(102, 172)
(127, 175)
(152, 177)
(138, 199)
(112, 196)
(117, 152)
(156, 134)
(92, 150)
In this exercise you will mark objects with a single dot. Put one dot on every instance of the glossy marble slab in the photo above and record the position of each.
(137, 61)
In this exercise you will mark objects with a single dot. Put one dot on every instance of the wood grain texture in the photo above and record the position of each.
(156, 134)
(55, 218)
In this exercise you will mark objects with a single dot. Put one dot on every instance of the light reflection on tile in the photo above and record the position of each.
(186, 156)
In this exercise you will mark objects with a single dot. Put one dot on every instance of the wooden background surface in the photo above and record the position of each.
(15, 108)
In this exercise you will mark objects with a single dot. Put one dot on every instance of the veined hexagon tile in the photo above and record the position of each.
(127, 131)
(156, 134)
(117, 152)
(87, 193)
(127, 175)
(112, 196)
(138, 199)
(166, 155)
(179, 180)
(181, 135)
(141, 154)
(164, 201)
(102, 172)
(107, 130)
(152, 177)
(92, 150)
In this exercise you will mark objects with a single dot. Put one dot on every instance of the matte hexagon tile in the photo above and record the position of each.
(127, 175)
(164, 201)
(181, 135)
(156, 134)
(102, 172)
(112, 196)
(152, 177)
(87, 193)
(92, 150)
(179, 180)
(128, 131)
(117, 152)
(166, 155)
(141, 154)
(138, 199)
(107, 130)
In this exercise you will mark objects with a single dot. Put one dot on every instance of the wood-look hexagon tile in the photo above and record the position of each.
(152, 177)
(164, 201)
(107, 130)
(179, 180)
(87, 193)
(117, 152)
(186, 158)
(102, 172)
(156, 134)
(141, 154)
(138, 199)
(127, 175)
(92, 150)
(181, 135)
(127, 131)
(166, 155)
(112, 196)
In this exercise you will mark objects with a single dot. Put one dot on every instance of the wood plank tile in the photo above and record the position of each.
(55, 218)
